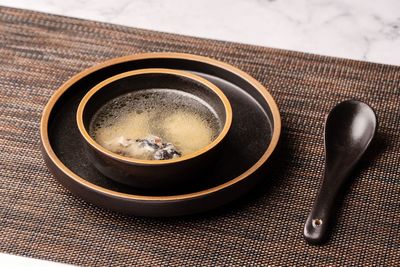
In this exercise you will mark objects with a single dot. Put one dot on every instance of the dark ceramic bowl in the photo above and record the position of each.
(153, 173)
(245, 161)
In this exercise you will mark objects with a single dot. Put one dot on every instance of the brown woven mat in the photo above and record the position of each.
(39, 218)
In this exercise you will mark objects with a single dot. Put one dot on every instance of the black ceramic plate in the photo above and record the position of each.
(253, 137)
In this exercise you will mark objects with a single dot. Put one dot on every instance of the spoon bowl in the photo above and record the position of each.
(350, 127)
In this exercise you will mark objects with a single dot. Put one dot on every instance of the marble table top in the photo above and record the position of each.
(357, 29)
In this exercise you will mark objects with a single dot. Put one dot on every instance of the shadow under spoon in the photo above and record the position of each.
(349, 130)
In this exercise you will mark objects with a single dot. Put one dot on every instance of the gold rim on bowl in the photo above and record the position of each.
(204, 82)
(273, 142)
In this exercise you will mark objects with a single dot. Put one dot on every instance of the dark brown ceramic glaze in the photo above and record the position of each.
(349, 129)
(152, 174)
(250, 142)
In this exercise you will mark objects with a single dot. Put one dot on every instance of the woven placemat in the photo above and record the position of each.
(41, 219)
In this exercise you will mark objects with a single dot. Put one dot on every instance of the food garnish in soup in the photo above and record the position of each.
(151, 147)
(155, 124)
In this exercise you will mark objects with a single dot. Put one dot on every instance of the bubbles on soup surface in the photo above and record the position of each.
(182, 122)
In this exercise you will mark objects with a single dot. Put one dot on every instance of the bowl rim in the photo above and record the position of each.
(143, 162)
(44, 136)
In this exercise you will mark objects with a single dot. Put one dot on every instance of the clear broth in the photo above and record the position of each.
(179, 118)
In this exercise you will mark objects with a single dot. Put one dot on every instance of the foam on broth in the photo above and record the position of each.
(179, 118)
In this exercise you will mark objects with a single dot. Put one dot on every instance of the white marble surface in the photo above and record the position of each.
(7, 260)
(357, 29)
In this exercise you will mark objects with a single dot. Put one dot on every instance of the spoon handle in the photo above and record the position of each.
(319, 220)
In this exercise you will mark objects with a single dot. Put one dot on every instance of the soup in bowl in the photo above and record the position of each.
(154, 128)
